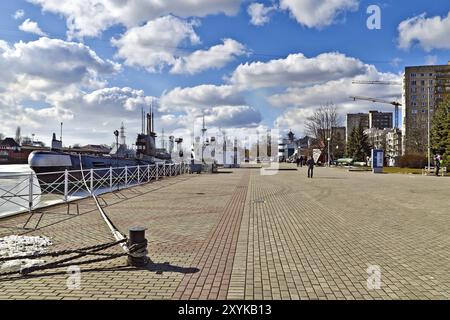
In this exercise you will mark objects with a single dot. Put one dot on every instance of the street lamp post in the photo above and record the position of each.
(328, 139)
(429, 140)
(116, 133)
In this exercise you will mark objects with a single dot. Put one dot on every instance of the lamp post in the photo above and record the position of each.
(116, 133)
(328, 139)
(429, 142)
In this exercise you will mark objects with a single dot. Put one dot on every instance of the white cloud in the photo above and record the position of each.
(296, 69)
(19, 14)
(338, 91)
(50, 67)
(259, 13)
(300, 103)
(154, 45)
(31, 27)
(215, 57)
(294, 119)
(92, 17)
(429, 33)
(88, 117)
(233, 116)
(201, 96)
(431, 60)
(318, 13)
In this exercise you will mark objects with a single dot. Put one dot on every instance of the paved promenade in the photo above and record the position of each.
(242, 235)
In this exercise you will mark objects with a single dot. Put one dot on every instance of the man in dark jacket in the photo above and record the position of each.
(310, 164)
(437, 161)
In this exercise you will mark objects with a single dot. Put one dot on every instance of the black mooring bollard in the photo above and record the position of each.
(137, 244)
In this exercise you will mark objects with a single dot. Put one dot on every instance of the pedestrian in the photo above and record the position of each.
(310, 164)
(437, 160)
(301, 161)
(298, 161)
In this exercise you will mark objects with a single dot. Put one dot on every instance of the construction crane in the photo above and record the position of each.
(389, 83)
(394, 103)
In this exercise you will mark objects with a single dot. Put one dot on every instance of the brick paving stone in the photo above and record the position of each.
(211, 237)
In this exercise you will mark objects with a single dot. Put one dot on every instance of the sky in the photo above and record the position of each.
(244, 65)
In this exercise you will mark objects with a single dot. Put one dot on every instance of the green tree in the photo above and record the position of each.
(358, 146)
(440, 132)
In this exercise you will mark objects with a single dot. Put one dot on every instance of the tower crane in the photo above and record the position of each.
(394, 103)
(389, 83)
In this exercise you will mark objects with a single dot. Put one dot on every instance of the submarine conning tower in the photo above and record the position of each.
(146, 142)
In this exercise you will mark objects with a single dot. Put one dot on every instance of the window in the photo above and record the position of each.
(413, 82)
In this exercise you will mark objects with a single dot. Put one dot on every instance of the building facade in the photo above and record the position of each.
(380, 120)
(387, 139)
(373, 119)
(354, 120)
(425, 87)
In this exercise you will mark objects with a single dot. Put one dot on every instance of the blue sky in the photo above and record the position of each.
(226, 82)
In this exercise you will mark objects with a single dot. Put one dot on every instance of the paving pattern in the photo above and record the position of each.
(243, 235)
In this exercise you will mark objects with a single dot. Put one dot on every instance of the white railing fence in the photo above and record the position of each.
(27, 192)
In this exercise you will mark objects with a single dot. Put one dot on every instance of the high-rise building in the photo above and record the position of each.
(424, 87)
(380, 120)
(373, 119)
(356, 119)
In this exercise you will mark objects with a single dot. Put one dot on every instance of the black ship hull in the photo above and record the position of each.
(50, 166)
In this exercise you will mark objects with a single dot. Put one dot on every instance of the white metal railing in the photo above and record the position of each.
(27, 192)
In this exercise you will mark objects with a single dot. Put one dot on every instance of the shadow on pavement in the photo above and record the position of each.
(158, 268)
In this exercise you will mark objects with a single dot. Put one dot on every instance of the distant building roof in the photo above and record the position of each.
(9, 142)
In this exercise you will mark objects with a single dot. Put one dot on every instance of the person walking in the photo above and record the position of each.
(301, 161)
(298, 161)
(310, 164)
(437, 161)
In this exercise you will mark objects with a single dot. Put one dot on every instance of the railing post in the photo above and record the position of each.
(126, 176)
(66, 185)
(92, 180)
(110, 178)
(156, 171)
(30, 193)
(139, 174)
(148, 173)
(164, 169)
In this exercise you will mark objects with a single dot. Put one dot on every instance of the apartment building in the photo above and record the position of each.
(425, 87)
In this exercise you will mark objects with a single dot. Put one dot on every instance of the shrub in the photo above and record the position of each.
(416, 161)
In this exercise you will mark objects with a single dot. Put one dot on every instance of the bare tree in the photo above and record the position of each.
(416, 141)
(321, 126)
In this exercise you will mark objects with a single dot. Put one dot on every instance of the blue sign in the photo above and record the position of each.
(377, 160)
